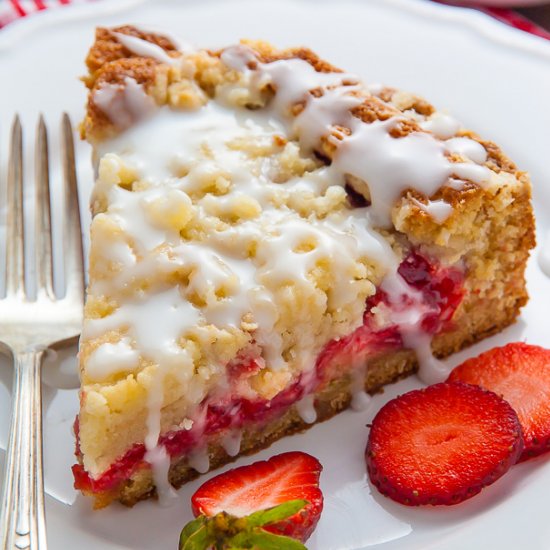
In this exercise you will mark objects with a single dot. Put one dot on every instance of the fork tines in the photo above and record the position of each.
(15, 235)
(15, 254)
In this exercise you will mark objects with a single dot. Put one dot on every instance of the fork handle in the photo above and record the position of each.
(22, 519)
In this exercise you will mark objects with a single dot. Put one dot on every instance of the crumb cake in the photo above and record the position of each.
(272, 239)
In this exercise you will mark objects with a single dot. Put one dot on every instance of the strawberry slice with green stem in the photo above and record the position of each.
(442, 444)
(282, 493)
(520, 374)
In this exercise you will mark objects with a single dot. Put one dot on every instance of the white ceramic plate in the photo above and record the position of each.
(494, 79)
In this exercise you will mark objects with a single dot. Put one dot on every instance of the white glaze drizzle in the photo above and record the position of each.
(360, 400)
(124, 104)
(157, 340)
(180, 46)
(466, 147)
(392, 165)
(330, 109)
(409, 321)
(306, 409)
(141, 47)
(456, 183)
(231, 442)
(470, 171)
(212, 126)
(110, 359)
(439, 209)
(199, 460)
(159, 460)
(430, 369)
(374, 88)
(441, 125)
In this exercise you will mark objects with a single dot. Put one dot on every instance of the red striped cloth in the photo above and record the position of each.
(508, 16)
(11, 10)
(518, 21)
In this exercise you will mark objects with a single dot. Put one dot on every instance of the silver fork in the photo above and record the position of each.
(29, 326)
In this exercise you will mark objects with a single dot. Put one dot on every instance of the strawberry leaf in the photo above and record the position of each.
(226, 532)
(196, 535)
(276, 513)
(258, 538)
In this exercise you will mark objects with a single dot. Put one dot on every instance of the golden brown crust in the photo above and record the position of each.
(107, 48)
(267, 54)
(417, 104)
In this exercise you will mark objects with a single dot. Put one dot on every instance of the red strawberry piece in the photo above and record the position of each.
(243, 367)
(519, 373)
(442, 288)
(442, 444)
(264, 484)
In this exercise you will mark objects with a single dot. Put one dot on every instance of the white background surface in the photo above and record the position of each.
(494, 79)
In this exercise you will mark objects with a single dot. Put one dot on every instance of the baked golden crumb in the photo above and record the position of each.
(249, 202)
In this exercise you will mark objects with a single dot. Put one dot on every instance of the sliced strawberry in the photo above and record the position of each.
(442, 444)
(265, 484)
(519, 373)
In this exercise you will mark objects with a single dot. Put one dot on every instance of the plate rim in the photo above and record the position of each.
(477, 21)
(482, 28)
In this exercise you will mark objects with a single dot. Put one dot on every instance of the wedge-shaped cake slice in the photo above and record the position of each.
(271, 240)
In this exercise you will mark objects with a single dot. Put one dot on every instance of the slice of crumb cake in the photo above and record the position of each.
(271, 240)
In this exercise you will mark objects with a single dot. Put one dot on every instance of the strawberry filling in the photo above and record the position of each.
(441, 290)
